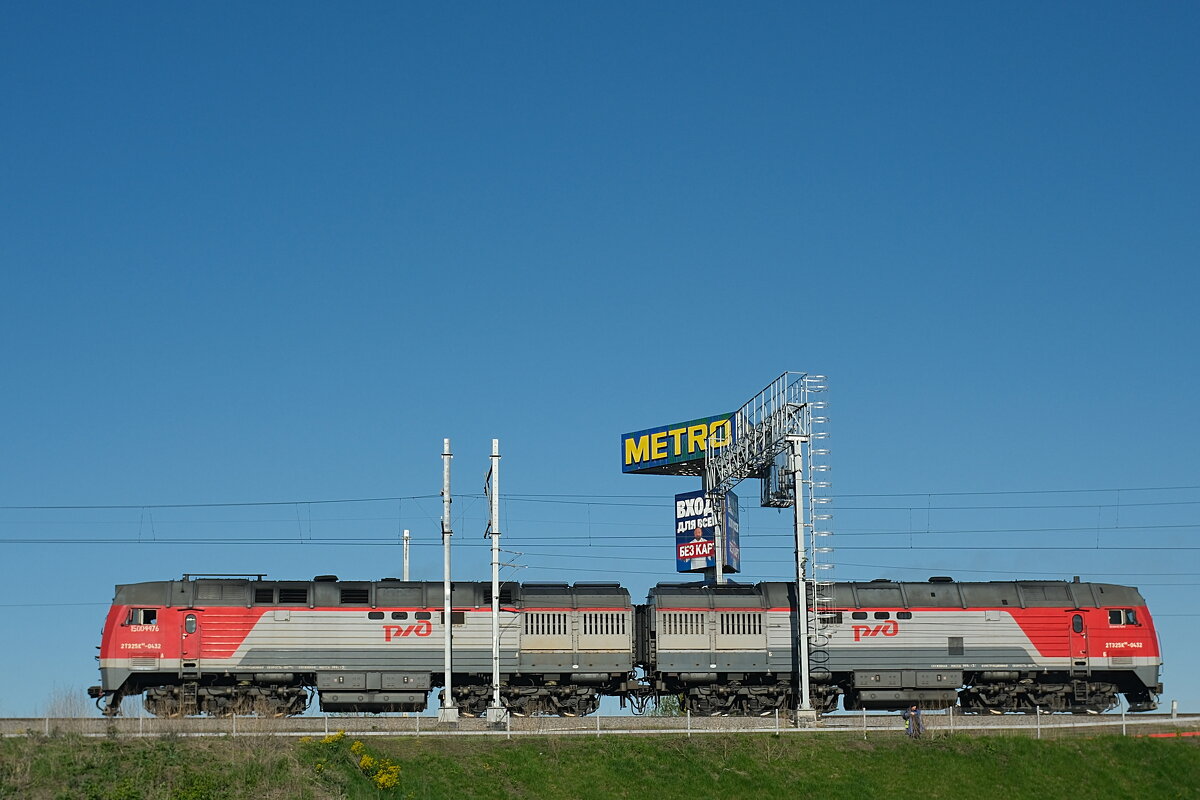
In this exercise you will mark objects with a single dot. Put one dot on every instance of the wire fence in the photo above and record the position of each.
(936, 724)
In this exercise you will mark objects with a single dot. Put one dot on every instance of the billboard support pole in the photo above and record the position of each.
(449, 711)
(796, 444)
(496, 712)
(718, 505)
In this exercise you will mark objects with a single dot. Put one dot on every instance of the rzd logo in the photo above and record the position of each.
(422, 628)
(889, 628)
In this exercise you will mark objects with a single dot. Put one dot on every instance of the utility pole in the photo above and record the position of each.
(449, 710)
(406, 538)
(496, 713)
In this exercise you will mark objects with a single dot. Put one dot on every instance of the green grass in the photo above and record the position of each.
(168, 768)
(758, 766)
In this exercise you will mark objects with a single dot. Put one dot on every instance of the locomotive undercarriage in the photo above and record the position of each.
(193, 697)
(1049, 693)
(742, 698)
(222, 701)
(534, 697)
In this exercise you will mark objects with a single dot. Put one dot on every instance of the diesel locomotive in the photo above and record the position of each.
(229, 645)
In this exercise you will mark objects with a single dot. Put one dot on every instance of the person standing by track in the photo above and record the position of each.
(914, 725)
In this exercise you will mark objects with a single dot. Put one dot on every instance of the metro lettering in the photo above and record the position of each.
(637, 449)
(658, 445)
(718, 433)
(686, 441)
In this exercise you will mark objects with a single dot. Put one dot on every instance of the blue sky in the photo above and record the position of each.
(277, 253)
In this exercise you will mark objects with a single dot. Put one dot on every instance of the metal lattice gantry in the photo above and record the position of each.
(780, 436)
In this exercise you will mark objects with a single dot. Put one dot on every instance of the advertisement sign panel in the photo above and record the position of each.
(676, 449)
(696, 534)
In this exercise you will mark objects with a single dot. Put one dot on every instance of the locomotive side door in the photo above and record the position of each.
(190, 641)
(1078, 643)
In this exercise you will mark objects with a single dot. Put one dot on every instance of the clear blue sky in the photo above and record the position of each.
(278, 252)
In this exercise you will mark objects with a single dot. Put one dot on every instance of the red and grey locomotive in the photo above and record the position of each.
(242, 645)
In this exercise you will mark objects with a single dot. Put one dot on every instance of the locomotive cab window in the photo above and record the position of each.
(1122, 616)
(882, 615)
(903, 615)
(859, 615)
(142, 616)
(189, 623)
(1077, 623)
(423, 615)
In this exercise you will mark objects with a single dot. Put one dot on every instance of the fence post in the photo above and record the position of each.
(507, 726)
(1122, 720)
(234, 718)
(776, 721)
(1038, 710)
(597, 724)
(689, 723)
(951, 715)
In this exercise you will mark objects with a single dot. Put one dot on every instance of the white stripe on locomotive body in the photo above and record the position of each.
(288, 632)
(920, 641)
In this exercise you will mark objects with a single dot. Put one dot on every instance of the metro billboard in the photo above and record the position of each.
(676, 449)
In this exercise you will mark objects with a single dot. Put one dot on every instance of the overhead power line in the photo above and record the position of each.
(135, 506)
(589, 499)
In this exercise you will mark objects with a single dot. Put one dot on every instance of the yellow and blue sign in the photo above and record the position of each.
(674, 449)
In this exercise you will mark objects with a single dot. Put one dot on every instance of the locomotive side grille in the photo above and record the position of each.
(143, 663)
(603, 624)
(355, 596)
(741, 623)
(683, 623)
(542, 623)
(220, 591)
(293, 596)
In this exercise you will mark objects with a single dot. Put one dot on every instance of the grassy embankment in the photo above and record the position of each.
(659, 767)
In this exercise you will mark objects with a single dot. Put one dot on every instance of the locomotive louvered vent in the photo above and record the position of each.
(681, 623)
(604, 624)
(220, 591)
(541, 623)
(295, 596)
(741, 623)
(143, 663)
(355, 596)
(264, 595)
